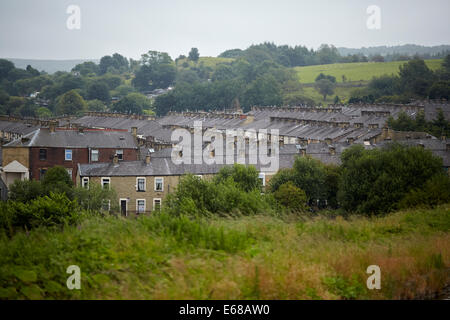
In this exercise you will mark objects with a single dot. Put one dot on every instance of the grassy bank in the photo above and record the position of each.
(359, 71)
(261, 257)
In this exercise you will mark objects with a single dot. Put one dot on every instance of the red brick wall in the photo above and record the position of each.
(56, 157)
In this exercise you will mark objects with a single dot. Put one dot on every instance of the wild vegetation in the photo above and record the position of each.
(222, 238)
(259, 257)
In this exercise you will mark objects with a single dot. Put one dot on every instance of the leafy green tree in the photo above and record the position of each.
(245, 177)
(96, 105)
(384, 85)
(57, 180)
(25, 191)
(440, 90)
(325, 87)
(307, 174)
(264, 91)
(157, 71)
(446, 63)
(86, 68)
(291, 197)
(133, 103)
(70, 103)
(323, 76)
(374, 181)
(434, 192)
(114, 64)
(416, 77)
(43, 113)
(53, 210)
(98, 90)
(194, 55)
(122, 90)
(5, 67)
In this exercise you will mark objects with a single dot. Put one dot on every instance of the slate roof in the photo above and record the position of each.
(144, 127)
(17, 127)
(68, 138)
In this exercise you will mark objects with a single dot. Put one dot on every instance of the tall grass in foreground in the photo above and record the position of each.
(257, 257)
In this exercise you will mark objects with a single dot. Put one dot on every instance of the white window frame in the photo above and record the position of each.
(137, 205)
(262, 176)
(109, 183)
(117, 153)
(92, 155)
(154, 203)
(109, 204)
(137, 184)
(199, 176)
(162, 184)
(70, 172)
(66, 152)
(83, 184)
(126, 206)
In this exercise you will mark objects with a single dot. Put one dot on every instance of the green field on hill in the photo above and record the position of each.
(356, 71)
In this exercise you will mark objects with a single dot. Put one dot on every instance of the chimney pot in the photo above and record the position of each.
(116, 160)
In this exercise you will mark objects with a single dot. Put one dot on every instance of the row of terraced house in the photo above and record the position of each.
(134, 154)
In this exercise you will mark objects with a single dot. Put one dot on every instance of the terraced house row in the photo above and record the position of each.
(133, 154)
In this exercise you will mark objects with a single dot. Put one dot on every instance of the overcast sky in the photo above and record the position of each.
(36, 29)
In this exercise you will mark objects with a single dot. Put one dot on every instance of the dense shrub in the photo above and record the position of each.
(319, 181)
(197, 196)
(24, 191)
(291, 197)
(94, 198)
(53, 210)
(434, 192)
(374, 181)
(246, 177)
(57, 179)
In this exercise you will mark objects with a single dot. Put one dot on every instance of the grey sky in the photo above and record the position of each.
(36, 29)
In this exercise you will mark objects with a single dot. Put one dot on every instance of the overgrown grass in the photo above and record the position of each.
(257, 257)
(356, 71)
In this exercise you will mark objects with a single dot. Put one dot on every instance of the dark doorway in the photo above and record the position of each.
(123, 207)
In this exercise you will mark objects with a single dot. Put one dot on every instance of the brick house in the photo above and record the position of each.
(49, 147)
(141, 186)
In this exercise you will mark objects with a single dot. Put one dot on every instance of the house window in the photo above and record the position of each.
(140, 205)
(94, 155)
(119, 154)
(262, 177)
(85, 182)
(69, 172)
(159, 184)
(42, 154)
(140, 184)
(42, 173)
(106, 205)
(157, 204)
(106, 182)
(68, 156)
(199, 176)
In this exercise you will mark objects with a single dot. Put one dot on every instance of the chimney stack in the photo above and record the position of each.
(332, 150)
(52, 126)
(134, 131)
(147, 159)
(116, 160)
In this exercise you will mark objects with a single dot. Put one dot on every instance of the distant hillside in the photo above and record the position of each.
(407, 49)
(49, 66)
